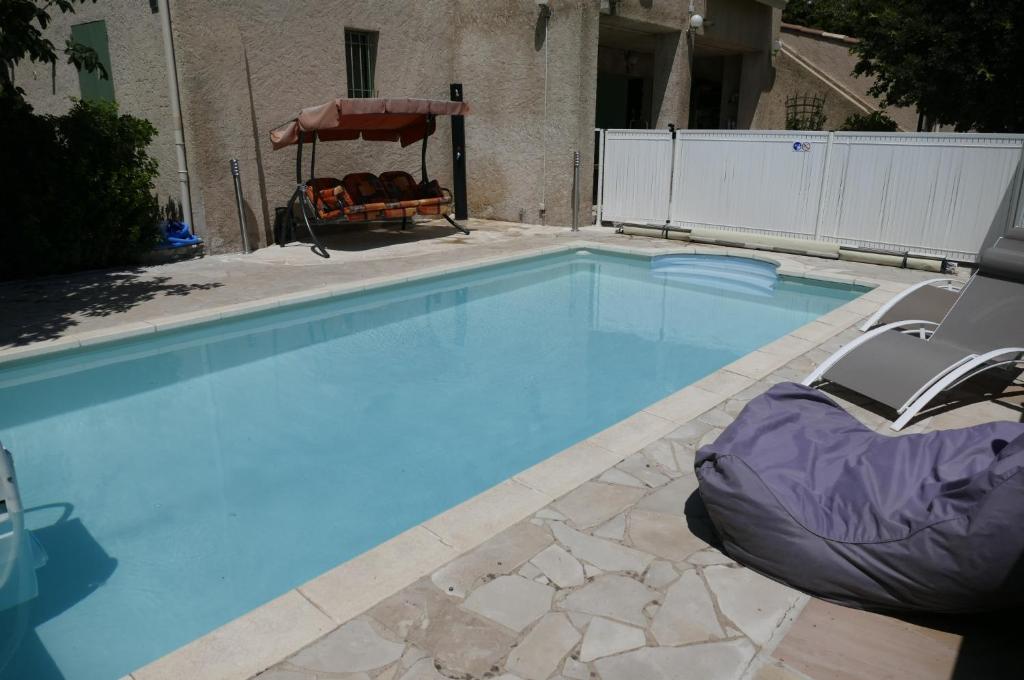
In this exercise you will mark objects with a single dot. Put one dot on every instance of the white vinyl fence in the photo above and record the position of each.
(928, 193)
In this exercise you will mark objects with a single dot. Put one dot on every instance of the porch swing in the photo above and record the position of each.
(360, 197)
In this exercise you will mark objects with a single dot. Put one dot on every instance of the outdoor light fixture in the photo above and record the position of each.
(696, 20)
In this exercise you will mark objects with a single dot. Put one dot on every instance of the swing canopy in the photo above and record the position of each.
(380, 120)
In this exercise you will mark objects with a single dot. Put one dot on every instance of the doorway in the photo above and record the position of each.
(622, 102)
(714, 92)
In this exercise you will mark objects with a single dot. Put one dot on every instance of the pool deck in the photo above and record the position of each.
(589, 565)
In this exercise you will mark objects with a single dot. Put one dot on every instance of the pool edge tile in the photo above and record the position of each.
(119, 332)
(247, 645)
(351, 588)
(244, 308)
(174, 321)
(816, 331)
(566, 470)
(829, 278)
(788, 346)
(841, 318)
(633, 433)
(293, 299)
(686, 404)
(724, 382)
(757, 364)
(37, 349)
(483, 516)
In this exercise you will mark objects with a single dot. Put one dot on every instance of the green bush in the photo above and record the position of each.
(78, 188)
(876, 121)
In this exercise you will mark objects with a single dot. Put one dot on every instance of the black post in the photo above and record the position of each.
(459, 157)
(423, 150)
(312, 159)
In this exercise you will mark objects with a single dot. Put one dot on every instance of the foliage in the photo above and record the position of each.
(876, 121)
(78, 187)
(22, 23)
(829, 15)
(958, 62)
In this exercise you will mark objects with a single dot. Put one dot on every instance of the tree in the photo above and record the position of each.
(78, 190)
(876, 121)
(959, 63)
(829, 15)
(22, 23)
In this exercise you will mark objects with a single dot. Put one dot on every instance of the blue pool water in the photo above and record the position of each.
(180, 480)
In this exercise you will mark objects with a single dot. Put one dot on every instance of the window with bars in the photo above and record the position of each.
(361, 60)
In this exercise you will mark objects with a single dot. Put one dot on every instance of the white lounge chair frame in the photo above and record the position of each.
(954, 374)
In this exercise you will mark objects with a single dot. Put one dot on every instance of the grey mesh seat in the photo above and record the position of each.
(928, 301)
(982, 330)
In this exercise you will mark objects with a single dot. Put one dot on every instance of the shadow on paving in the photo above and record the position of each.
(352, 238)
(999, 387)
(699, 522)
(990, 646)
(43, 309)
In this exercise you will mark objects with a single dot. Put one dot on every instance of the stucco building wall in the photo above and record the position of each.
(790, 79)
(247, 67)
(531, 83)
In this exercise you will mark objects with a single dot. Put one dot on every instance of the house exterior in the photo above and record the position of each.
(538, 75)
(816, 62)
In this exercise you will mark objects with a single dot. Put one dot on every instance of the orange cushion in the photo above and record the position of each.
(315, 190)
(400, 185)
(364, 188)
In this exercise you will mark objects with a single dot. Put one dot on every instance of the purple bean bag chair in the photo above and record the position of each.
(802, 492)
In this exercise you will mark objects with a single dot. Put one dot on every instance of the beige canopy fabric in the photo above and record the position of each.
(387, 120)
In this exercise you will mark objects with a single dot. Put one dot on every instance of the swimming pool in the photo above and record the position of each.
(184, 478)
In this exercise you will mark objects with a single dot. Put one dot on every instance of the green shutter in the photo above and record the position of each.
(93, 87)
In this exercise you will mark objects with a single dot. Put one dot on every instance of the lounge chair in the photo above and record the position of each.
(905, 366)
(928, 300)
